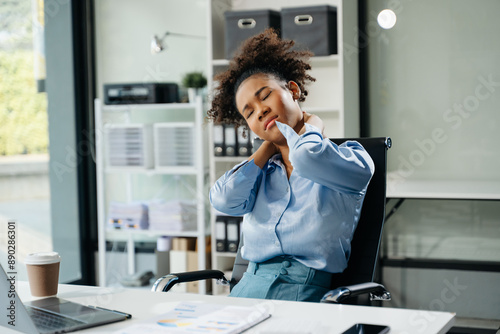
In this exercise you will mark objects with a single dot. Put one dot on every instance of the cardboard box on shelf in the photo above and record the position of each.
(184, 257)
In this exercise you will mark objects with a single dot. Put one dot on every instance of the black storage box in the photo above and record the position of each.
(243, 24)
(313, 28)
(140, 93)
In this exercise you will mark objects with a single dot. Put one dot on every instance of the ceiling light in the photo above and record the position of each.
(386, 19)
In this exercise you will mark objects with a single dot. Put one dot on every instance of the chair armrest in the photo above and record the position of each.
(166, 282)
(376, 291)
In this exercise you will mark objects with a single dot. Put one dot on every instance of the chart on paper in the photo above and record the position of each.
(189, 317)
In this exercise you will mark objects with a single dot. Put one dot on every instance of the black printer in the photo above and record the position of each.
(139, 93)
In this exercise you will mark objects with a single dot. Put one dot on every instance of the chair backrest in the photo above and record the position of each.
(366, 241)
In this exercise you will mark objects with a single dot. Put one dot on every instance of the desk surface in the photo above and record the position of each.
(287, 317)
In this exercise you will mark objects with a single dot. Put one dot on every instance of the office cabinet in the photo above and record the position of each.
(149, 158)
(334, 97)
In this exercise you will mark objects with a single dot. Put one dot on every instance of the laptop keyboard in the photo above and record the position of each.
(48, 321)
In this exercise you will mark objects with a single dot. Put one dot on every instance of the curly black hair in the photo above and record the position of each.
(263, 53)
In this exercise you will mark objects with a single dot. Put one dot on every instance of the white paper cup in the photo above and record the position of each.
(43, 273)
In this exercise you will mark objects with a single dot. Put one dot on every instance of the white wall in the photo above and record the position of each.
(124, 29)
(429, 73)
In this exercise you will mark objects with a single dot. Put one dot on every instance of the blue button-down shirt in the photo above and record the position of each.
(313, 214)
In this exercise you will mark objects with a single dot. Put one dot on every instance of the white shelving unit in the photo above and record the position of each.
(180, 115)
(334, 97)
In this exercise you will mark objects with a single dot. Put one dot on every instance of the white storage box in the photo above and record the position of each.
(174, 144)
(128, 145)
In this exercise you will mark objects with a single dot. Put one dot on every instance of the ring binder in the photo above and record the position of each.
(230, 140)
(219, 140)
(220, 234)
(233, 234)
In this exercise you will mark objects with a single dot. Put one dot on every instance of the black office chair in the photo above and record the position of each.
(357, 279)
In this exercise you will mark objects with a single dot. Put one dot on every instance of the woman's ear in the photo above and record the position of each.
(294, 89)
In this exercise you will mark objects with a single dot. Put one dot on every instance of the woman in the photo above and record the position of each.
(299, 193)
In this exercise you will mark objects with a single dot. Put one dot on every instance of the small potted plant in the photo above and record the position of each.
(194, 81)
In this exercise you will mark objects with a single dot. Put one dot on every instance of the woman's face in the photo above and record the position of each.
(262, 100)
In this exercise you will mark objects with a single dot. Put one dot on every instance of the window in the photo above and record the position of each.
(24, 138)
(49, 184)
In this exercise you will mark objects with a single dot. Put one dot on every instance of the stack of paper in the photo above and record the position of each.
(199, 317)
(128, 215)
(176, 215)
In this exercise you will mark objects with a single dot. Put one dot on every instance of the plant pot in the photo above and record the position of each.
(192, 94)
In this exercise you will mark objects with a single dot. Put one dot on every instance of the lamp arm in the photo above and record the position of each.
(181, 35)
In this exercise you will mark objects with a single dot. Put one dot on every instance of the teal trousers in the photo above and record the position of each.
(282, 278)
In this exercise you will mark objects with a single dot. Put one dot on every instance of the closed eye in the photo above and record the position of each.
(267, 95)
(249, 114)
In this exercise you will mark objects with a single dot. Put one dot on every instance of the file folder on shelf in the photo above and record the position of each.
(231, 141)
(233, 234)
(227, 230)
(243, 143)
(220, 234)
(219, 149)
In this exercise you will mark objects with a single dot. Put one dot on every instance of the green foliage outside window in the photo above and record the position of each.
(23, 111)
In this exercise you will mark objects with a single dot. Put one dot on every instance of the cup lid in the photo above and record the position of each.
(42, 258)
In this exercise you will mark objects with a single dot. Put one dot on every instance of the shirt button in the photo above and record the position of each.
(277, 243)
(287, 189)
(286, 264)
(283, 271)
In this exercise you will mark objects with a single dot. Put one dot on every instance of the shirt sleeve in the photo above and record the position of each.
(347, 167)
(234, 192)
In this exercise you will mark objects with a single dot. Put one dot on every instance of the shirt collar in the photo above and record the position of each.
(274, 161)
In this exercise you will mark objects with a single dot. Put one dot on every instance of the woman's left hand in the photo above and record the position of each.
(313, 120)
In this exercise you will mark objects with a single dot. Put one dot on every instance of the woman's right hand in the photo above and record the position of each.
(266, 150)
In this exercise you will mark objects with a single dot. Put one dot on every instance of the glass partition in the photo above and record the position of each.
(434, 88)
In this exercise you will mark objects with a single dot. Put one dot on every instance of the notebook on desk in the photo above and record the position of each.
(47, 315)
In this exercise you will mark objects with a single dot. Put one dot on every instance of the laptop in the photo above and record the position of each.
(49, 315)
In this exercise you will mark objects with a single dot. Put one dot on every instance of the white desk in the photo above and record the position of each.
(287, 317)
